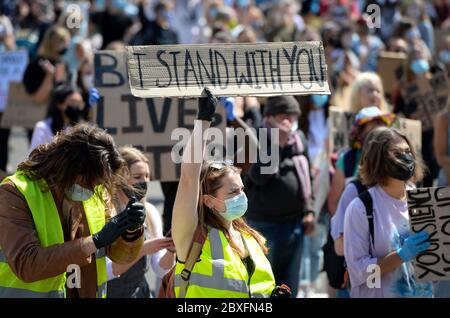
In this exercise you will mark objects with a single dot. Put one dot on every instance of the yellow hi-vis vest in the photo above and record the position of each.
(220, 273)
(48, 226)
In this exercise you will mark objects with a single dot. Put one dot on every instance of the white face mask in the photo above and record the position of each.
(78, 193)
(294, 126)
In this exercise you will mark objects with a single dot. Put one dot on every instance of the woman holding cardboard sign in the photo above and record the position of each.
(379, 245)
(211, 195)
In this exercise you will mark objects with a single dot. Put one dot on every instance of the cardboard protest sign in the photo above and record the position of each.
(429, 210)
(255, 69)
(340, 124)
(427, 97)
(145, 123)
(12, 66)
(391, 66)
(21, 110)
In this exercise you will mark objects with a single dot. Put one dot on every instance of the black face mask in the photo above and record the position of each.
(73, 113)
(62, 51)
(402, 171)
(140, 190)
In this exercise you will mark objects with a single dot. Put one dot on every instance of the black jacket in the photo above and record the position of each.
(276, 197)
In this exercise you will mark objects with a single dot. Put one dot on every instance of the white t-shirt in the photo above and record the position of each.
(42, 134)
(337, 221)
(157, 225)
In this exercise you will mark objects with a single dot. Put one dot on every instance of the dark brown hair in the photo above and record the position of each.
(211, 181)
(376, 155)
(83, 151)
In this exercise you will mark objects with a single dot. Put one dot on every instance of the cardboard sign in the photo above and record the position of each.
(391, 66)
(12, 66)
(254, 69)
(429, 211)
(427, 97)
(21, 110)
(144, 123)
(340, 124)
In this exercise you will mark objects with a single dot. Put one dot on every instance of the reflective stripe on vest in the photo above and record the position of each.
(10, 292)
(48, 226)
(94, 208)
(221, 273)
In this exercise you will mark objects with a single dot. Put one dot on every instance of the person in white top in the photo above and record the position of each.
(66, 108)
(389, 165)
(132, 282)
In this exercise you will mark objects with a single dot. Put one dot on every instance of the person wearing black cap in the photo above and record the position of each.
(280, 202)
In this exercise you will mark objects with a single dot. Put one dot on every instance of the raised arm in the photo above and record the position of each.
(185, 218)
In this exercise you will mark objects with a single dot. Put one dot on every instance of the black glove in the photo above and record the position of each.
(282, 291)
(131, 218)
(207, 106)
(111, 231)
(136, 214)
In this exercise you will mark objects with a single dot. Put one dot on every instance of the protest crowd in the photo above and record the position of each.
(355, 200)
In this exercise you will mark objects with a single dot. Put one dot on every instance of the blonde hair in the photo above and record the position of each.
(363, 80)
(210, 182)
(131, 156)
(53, 35)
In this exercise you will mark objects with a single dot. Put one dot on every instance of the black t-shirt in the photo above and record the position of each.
(34, 75)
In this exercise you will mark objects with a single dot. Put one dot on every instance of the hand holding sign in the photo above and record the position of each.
(207, 106)
(413, 245)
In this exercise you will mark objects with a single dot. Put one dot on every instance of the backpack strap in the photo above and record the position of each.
(350, 163)
(359, 186)
(194, 253)
(366, 198)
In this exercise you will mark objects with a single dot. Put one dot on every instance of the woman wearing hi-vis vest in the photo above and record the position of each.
(232, 261)
(53, 217)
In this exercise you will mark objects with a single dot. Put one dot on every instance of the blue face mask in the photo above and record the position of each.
(444, 56)
(319, 101)
(235, 207)
(165, 14)
(420, 66)
(119, 4)
(242, 3)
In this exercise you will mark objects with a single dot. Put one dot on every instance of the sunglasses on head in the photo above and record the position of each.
(220, 164)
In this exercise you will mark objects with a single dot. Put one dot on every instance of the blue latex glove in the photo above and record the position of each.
(413, 245)
(228, 103)
(94, 96)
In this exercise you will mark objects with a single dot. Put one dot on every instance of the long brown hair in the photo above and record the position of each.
(83, 151)
(210, 181)
(376, 154)
(133, 155)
